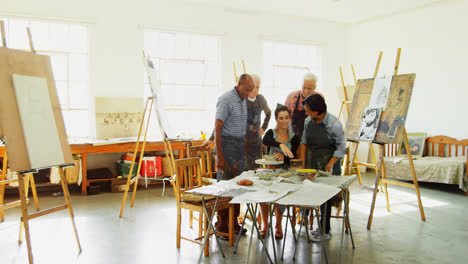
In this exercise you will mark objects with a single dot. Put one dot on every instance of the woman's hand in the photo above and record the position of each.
(279, 156)
(286, 151)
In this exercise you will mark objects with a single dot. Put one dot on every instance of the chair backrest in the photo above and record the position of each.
(188, 176)
(443, 146)
(391, 150)
(205, 156)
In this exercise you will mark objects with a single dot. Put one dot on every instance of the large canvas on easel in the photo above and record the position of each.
(360, 102)
(396, 110)
(18, 148)
(394, 117)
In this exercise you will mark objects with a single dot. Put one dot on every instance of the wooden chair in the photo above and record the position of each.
(206, 170)
(205, 156)
(188, 177)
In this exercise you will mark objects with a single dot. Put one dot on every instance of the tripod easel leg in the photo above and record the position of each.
(413, 174)
(377, 179)
(66, 195)
(34, 192)
(25, 214)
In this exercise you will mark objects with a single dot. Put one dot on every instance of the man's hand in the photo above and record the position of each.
(330, 164)
(261, 132)
(207, 144)
(279, 156)
(286, 151)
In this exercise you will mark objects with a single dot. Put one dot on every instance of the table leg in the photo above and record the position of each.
(323, 249)
(346, 212)
(288, 218)
(272, 209)
(254, 225)
(299, 233)
(84, 168)
(210, 226)
(242, 226)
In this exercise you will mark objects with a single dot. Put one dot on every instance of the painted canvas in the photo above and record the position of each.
(416, 142)
(361, 101)
(394, 116)
(389, 130)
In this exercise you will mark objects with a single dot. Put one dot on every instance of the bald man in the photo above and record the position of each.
(230, 130)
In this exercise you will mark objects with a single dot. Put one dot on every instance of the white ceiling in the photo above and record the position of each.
(343, 11)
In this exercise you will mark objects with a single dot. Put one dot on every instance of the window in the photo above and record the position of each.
(188, 66)
(67, 46)
(284, 65)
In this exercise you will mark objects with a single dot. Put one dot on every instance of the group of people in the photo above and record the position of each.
(304, 129)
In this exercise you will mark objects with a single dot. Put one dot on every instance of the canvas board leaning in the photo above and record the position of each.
(32, 125)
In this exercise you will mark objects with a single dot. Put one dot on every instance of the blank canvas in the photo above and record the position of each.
(38, 122)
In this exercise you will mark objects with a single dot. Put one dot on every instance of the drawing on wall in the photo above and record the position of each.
(117, 117)
(159, 105)
(370, 121)
(380, 92)
(37, 118)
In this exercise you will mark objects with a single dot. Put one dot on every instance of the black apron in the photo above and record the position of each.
(298, 118)
(253, 141)
(234, 154)
(319, 148)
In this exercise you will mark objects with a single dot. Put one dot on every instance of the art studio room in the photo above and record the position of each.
(215, 131)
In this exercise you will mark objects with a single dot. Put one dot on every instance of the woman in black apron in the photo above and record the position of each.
(322, 145)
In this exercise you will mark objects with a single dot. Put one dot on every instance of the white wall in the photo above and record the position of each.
(116, 39)
(434, 44)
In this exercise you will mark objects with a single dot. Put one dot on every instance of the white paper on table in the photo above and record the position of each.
(337, 181)
(284, 187)
(310, 195)
(380, 92)
(262, 196)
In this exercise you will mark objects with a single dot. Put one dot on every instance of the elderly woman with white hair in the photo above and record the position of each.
(294, 102)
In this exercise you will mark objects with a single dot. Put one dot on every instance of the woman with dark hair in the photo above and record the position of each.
(323, 137)
(282, 143)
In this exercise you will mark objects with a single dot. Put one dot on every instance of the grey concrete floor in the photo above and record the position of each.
(146, 233)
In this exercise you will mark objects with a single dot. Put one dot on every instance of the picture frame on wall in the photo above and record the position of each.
(416, 142)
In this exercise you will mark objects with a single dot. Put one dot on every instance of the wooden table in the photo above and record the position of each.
(87, 148)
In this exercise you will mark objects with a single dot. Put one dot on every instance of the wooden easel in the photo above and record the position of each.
(381, 168)
(29, 179)
(356, 163)
(150, 101)
(236, 78)
(24, 177)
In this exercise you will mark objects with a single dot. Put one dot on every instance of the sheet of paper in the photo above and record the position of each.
(310, 195)
(262, 196)
(380, 92)
(337, 181)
